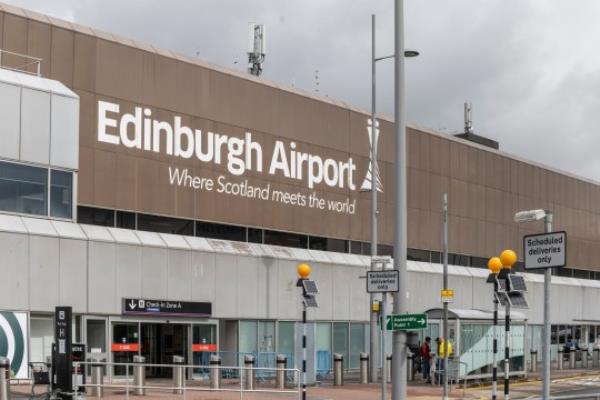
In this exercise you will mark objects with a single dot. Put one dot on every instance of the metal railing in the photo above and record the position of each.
(22, 62)
(126, 382)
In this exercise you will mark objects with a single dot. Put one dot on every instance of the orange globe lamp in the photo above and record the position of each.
(508, 258)
(303, 270)
(495, 265)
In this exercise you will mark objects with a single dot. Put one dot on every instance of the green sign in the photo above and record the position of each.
(406, 322)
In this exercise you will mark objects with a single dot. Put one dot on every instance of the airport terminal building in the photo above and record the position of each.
(169, 201)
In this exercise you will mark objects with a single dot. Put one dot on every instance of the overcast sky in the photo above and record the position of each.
(531, 68)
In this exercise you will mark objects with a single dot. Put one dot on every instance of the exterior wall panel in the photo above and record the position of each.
(35, 126)
(10, 115)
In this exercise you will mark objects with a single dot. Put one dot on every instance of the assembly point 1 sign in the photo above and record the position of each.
(548, 250)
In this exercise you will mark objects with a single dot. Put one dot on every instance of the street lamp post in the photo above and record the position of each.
(508, 258)
(399, 387)
(536, 215)
(374, 129)
(494, 265)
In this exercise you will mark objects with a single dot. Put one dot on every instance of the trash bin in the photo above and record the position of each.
(280, 374)
(388, 368)
(364, 368)
(4, 378)
(214, 365)
(338, 369)
(139, 375)
(249, 372)
(178, 374)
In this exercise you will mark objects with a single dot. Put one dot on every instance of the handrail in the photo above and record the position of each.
(241, 389)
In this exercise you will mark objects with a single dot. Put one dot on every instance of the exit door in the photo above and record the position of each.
(159, 343)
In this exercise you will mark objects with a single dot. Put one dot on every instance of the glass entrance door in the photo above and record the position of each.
(159, 343)
(125, 345)
(204, 343)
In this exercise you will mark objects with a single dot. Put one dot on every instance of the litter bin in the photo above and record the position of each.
(178, 374)
(214, 365)
(388, 368)
(139, 376)
(4, 378)
(364, 368)
(410, 371)
(338, 369)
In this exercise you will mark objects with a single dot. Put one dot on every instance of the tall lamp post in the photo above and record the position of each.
(536, 215)
(494, 265)
(374, 188)
(508, 258)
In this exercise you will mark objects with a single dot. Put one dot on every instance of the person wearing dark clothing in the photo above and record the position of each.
(425, 353)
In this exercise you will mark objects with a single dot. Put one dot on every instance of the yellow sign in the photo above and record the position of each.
(447, 296)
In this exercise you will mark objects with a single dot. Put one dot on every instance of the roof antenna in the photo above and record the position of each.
(468, 118)
(317, 80)
(256, 48)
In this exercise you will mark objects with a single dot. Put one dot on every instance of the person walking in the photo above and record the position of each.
(425, 352)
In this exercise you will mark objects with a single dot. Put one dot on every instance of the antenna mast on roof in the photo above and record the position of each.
(468, 118)
(256, 48)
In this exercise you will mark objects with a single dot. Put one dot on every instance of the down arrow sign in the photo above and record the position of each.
(132, 304)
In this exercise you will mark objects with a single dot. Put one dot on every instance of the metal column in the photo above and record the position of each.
(399, 386)
(445, 339)
(495, 346)
(4, 378)
(374, 336)
(546, 330)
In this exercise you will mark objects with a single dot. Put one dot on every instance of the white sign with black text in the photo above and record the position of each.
(546, 250)
(383, 281)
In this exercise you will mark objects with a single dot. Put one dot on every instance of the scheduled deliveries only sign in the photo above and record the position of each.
(383, 281)
(548, 250)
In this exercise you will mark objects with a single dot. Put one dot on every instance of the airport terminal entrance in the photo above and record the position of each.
(159, 343)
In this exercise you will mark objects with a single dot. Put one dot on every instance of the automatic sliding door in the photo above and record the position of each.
(125, 345)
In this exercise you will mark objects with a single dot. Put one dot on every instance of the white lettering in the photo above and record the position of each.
(104, 122)
(135, 120)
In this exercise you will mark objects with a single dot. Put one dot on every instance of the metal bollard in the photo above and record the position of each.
(560, 359)
(596, 358)
(4, 378)
(97, 378)
(139, 376)
(364, 368)
(280, 374)
(215, 371)
(178, 375)
(338, 369)
(249, 372)
(572, 355)
(388, 368)
(533, 358)
(584, 357)
(410, 371)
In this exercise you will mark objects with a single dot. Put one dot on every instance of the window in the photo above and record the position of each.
(95, 216)
(581, 274)
(125, 220)
(328, 244)
(340, 341)
(155, 223)
(220, 231)
(385, 250)
(255, 235)
(479, 262)
(61, 194)
(286, 239)
(23, 189)
(418, 255)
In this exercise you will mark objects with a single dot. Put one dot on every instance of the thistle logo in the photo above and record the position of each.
(367, 183)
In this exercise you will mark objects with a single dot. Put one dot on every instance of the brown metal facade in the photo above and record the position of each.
(485, 186)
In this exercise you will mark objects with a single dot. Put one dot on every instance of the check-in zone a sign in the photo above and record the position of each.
(383, 281)
(547, 250)
(14, 342)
